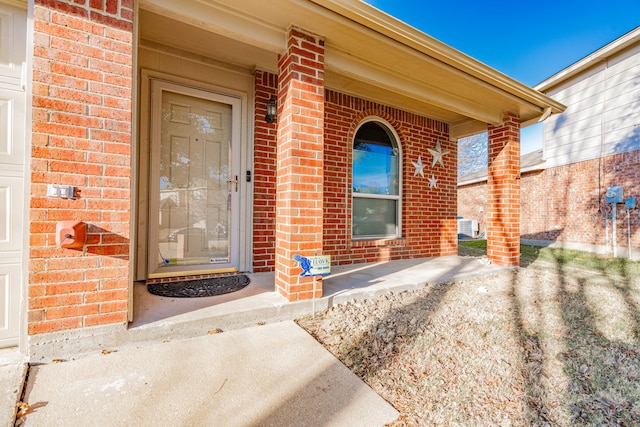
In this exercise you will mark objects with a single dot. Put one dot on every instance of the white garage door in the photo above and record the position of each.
(12, 169)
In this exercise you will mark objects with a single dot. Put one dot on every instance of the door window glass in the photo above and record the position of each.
(194, 200)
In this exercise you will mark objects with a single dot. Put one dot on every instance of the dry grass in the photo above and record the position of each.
(542, 346)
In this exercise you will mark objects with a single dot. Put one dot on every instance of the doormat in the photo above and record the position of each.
(199, 287)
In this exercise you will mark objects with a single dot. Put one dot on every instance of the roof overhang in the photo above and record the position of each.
(21, 4)
(368, 54)
(530, 162)
(629, 39)
(481, 176)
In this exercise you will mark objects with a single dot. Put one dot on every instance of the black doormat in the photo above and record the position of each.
(199, 287)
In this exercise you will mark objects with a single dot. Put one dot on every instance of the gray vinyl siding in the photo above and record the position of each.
(606, 98)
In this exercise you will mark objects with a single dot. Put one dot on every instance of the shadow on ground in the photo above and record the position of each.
(556, 343)
(581, 326)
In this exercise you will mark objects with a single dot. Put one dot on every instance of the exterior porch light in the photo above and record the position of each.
(272, 111)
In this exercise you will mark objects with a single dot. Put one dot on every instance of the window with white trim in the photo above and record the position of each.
(376, 183)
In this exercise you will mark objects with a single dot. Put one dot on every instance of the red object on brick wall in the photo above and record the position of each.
(82, 80)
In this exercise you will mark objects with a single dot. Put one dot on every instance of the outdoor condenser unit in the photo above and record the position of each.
(468, 228)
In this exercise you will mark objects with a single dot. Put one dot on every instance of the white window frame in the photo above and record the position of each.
(398, 198)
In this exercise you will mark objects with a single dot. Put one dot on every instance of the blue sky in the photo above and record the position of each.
(528, 41)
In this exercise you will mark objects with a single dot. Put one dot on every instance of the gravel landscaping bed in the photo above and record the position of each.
(538, 346)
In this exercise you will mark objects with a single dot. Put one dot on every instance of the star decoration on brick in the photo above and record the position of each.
(438, 153)
(419, 167)
(433, 182)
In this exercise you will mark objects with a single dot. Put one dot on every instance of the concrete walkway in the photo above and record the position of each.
(13, 368)
(161, 318)
(168, 370)
(272, 375)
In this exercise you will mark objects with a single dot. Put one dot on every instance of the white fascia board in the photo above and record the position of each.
(385, 24)
(632, 37)
(537, 167)
(478, 180)
(233, 19)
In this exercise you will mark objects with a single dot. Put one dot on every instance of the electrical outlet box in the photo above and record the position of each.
(61, 191)
(614, 195)
(630, 203)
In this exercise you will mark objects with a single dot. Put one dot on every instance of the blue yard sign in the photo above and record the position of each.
(314, 265)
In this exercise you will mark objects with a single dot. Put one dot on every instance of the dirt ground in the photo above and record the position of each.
(546, 345)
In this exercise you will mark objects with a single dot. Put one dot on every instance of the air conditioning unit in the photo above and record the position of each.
(468, 228)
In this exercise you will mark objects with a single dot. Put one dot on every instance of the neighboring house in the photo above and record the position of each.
(472, 193)
(156, 113)
(592, 146)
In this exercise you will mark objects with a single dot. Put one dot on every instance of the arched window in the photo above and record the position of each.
(376, 183)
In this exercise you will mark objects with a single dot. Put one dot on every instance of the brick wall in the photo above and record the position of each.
(566, 203)
(264, 180)
(428, 214)
(472, 203)
(82, 79)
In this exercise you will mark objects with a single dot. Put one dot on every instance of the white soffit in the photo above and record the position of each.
(367, 54)
(21, 4)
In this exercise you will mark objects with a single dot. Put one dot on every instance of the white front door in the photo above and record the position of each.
(195, 171)
(12, 169)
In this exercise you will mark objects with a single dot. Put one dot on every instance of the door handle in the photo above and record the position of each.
(234, 181)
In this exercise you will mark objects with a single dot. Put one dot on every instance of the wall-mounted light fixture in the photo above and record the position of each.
(272, 111)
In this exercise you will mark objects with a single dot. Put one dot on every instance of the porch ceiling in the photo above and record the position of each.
(367, 54)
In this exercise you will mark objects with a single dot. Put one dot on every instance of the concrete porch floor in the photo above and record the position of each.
(158, 317)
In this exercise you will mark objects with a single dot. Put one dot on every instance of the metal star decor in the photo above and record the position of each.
(419, 167)
(433, 182)
(438, 153)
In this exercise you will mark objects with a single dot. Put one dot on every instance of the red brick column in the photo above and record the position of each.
(299, 170)
(82, 80)
(503, 192)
